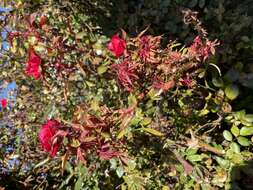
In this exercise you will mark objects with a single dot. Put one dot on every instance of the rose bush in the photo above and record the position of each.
(129, 111)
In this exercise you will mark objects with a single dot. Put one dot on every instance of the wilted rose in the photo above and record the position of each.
(46, 137)
(117, 45)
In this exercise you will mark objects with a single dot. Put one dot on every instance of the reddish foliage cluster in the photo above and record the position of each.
(84, 137)
(165, 86)
(89, 131)
(186, 81)
(202, 48)
(148, 46)
(145, 59)
(174, 57)
(126, 73)
(33, 64)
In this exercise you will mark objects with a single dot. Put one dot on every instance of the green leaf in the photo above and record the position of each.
(40, 48)
(235, 130)
(102, 69)
(245, 131)
(243, 141)
(113, 163)
(146, 121)
(79, 183)
(240, 114)
(153, 131)
(132, 100)
(191, 151)
(122, 133)
(232, 91)
(227, 135)
(120, 171)
(222, 162)
(235, 147)
(248, 117)
(245, 122)
(131, 165)
(217, 82)
(154, 94)
(194, 158)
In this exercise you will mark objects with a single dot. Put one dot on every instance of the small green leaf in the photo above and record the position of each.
(122, 133)
(75, 143)
(146, 121)
(113, 163)
(246, 123)
(79, 183)
(232, 91)
(245, 131)
(222, 162)
(235, 130)
(240, 114)
(194, 158)
(102, 69)
(153, 131)
(248, 117)
(235, 147)
(202, 74)
(131, 165)
(227, 135)
(191, 151)
(243, 141)
(132, 100)
(40, 48)
(217, 82)
(120, 171)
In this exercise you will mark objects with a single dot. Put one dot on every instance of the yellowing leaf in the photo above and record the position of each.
(232, 91)
(122, 133)
(153, 132)
(102, 69)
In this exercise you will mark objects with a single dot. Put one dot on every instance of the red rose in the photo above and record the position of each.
(46, 137)
(117, 45)
(3, 103)
(33, 64)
